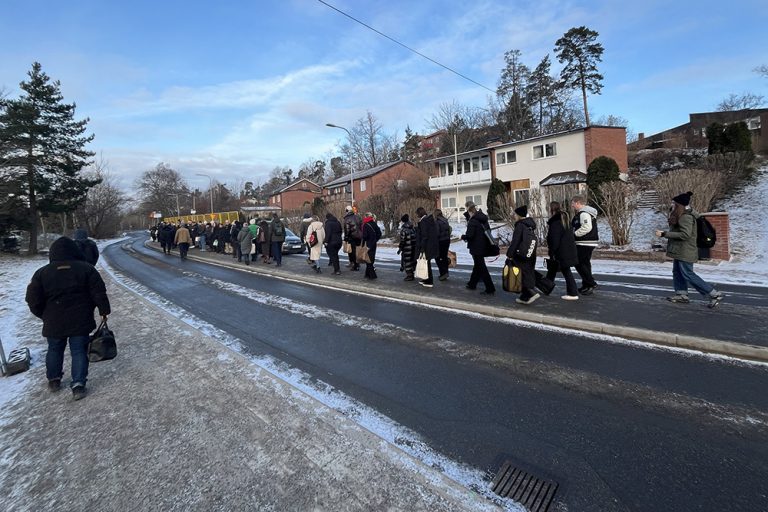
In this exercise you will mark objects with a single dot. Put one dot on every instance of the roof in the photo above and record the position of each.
(363, 174)
(563, 178)
(292, 184)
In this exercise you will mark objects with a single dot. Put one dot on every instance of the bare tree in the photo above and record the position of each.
(762, 70)
(158, 188)
(743, 101)
(101, 213)
(707, 187)
(619, 206)
(470, 125)
(368, 145)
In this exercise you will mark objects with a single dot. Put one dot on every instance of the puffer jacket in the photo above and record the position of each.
(408, 247)
(65, 292)
(682, 238)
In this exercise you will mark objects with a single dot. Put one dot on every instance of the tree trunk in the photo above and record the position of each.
(584, 96)
(32, 206)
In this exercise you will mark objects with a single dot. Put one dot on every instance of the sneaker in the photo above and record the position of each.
(443, 277)
(337, 273)
(79, 392)
(54, 384)
(715, 300)
(587, 290)
(570, 297)
(530, 300)
(408, 278)
(679, 298)
(425, 284)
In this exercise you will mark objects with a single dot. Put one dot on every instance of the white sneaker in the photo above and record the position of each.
(570, 297)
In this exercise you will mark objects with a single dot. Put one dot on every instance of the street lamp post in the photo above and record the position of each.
(210, 187)
(352, 171)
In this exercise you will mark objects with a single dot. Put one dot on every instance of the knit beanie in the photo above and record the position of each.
(522, 211)
(405, 218)
(683, 199)
(252, 221)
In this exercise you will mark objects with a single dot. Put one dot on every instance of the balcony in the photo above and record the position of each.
(469, 178)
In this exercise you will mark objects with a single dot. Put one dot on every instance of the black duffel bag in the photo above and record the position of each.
(102, 345)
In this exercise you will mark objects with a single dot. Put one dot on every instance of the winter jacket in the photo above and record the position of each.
(517, 237)
(585, 227)
(332, 232)
(182, 236)
(65, 292)
(254, 229)
(315, 227)
(427, 241)
(371, 234)
(277, 231)
(88, 247)
(443, 229)
(682, 238)
(477, 242)
(166, 235)
(561, 241)
(408, 247)
(246, 240)
(304, 227)
(352, 225)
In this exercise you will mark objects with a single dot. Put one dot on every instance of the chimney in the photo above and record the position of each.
(640, 136)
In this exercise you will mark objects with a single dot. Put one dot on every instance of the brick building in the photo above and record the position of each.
(297, 195)
(372, 181)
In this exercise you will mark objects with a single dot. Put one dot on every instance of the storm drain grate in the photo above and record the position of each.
(532, 492)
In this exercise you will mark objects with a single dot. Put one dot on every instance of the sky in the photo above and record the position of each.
(234, 88)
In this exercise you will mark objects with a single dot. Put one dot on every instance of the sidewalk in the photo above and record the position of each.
(728, 330)
(180, 422)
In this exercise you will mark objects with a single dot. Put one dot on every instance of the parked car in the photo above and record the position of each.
(292, 244)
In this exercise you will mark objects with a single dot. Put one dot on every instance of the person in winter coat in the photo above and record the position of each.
(316, 232)
(265, 241)
(87, 246)
(253, 226)
(585, 231)
(371, 236)
(226, 234)
(443, 243)
(427, 242)
(305, 222)
(64, 294)
(153, 233)
(277, 236)
(234, 231)
(182, 239)
(333, 241)
(519, 250)
(166, 237)
(561, 244)
(477, 243)
(353, 235)
(207, 240)
(682, 248)
(245, 239)
(407, 247)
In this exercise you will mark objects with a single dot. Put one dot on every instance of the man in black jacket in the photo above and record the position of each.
(64, 294)
(427, 242)
(522, 250)
(87, 246)
(477, 243)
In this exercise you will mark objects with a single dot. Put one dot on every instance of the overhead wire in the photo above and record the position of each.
(405, 46)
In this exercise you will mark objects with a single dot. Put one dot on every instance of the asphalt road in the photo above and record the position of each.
(618, 427)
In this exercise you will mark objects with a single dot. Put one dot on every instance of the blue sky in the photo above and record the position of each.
(234, 88)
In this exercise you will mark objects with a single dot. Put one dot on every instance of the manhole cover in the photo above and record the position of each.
(532, 492)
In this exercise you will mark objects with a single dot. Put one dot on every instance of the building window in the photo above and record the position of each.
(476, 164)
(478, 199)
(448, 202)
(485, 163)
(443, 169)
(459, 166)
(303, 184)
(508, 157)
(450, 168)
(467, 165)
(522, 197)
(362, 186)
(511, 156)
(501, 158)
(545, 150)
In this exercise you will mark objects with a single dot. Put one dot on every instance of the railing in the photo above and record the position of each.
(469, 178)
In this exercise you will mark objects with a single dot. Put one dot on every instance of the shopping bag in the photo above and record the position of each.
(451, 259)
(102, 345)
(361, 253)
(422, 269)
(346, 246)
(511, 277)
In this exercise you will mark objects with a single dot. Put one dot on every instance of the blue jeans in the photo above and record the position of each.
(54, 359)
(201, 242)
(683, 275)
(277, 252)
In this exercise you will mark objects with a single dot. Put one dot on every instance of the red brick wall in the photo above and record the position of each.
(722, 249)
(611, 142)
(294, 199)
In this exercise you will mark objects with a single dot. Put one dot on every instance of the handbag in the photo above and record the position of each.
(346, 246)
(361, 253)
(452, 262)
(216, 243)
(511, 277)
(102, 345)
(492, 248)
(422, 269)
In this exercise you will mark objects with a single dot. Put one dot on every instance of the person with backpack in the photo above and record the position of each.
(443, 243)
(277, 236)
(683, 249)
(561, 244)
(522, 251)
(585, 231)
(352, 235)
(407, 248)
(87, 246)
(333, 241)
(371, 236)
(478, 243)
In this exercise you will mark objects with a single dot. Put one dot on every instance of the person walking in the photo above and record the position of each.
(443, 243)
(353, 235)
(245, 241)
(182, 239)
(427, 242)
(265, 241)
(253, 226)
(166, 238)
(522, 251)
(234, 231)
(305, 222)
(333, 241)
(585, 231)
(681, 247)
(87, 246)
(371, 236)
(314, 239)
(277, 237)
(477, 243)
(64, 294)
(153, 233)
(561, 243)
(407, 247)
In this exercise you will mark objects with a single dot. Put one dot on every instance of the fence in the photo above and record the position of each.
(205, 217)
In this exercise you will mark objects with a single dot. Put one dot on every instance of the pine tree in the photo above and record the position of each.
(516, 117)
(495, 192)
(580, 53)
(43, 149)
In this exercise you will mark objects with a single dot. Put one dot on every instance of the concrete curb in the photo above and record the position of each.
(667, 339)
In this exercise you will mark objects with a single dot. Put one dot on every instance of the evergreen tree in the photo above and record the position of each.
(42, 148)
(601, 170)
(516, 117)
(580, 53)
(540, 92)
(495, 192)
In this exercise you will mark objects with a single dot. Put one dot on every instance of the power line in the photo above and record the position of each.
(405, 46)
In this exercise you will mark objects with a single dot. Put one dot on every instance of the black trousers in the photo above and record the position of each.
(480, 273)
(333, 255)
(584, 266)
(352, 255)
(570, 282)
(183, 249)
(442, 256)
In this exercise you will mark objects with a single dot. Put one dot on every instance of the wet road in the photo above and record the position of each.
(618, 427)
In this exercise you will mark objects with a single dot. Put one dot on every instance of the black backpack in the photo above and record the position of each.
(705, 234)
(527, 249)
(279, 230)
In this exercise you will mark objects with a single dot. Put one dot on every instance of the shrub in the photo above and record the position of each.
(601, 170)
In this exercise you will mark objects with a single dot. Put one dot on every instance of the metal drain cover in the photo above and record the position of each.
(532, 492)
